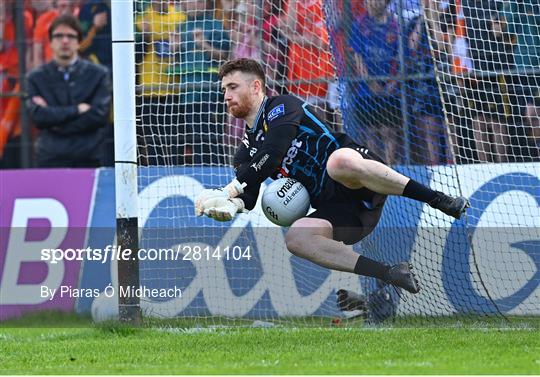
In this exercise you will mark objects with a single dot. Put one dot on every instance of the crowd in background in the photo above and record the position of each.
(485, 53)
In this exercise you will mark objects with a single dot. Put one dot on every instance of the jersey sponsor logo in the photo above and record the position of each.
(276, 112)
(286, 187)
(289, 158)
(258, 166)
(252, 151)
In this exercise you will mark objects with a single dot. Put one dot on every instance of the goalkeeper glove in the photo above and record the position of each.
(233, 189)
(205, 195)
(222, 209)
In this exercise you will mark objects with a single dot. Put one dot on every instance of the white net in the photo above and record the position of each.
(424, 84)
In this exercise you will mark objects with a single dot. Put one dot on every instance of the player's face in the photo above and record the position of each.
(239, 91)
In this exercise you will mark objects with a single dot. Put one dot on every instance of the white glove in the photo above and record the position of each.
(208, 194)
(232, 190)
(222, 209)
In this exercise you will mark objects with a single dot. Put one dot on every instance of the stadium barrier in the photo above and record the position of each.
(61, 209)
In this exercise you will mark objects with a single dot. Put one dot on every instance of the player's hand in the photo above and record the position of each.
(205, 195)
(222, 209)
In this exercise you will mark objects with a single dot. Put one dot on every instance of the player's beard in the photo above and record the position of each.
(242, 108)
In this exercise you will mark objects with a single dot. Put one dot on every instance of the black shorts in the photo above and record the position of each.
(353, 213)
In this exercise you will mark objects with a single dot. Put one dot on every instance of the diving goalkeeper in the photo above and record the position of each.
(347, 185)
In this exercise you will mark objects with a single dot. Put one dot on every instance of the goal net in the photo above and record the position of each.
(444, 91)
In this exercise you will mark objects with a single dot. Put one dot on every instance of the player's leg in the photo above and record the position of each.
(348, 167)
(312, 239)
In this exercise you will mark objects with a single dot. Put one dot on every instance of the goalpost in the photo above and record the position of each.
(426, 89)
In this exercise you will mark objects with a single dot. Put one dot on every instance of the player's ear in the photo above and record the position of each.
(256, 85)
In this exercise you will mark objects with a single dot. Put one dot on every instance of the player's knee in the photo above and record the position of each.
(295, 242)
(345, 164)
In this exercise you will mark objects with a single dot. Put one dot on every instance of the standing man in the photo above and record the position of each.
(68, 100)
(347, 185)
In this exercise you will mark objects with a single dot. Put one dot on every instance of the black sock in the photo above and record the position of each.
(418, 191)
(369, 267)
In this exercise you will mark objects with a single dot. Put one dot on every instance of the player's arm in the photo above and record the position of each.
(283, 119)
(225, 199)
(267, 159)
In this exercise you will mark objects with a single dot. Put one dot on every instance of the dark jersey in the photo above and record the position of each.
(287, 140)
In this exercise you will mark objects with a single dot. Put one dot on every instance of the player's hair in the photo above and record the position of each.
(69, 21)
(243, 65)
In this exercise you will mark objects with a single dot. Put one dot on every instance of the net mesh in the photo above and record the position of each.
(444, 91)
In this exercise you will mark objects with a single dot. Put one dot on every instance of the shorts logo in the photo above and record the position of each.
(276, 112)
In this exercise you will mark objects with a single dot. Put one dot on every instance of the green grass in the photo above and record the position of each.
(472, 348)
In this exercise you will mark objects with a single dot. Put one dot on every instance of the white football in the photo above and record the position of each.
(284, 201)
(105, 308)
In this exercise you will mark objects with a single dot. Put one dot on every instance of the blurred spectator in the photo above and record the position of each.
(156, 25)
(10, 127)
(452, 53)
(68, 100)
(275, 46)
(95, 18)
(224, 10)
(490, 51)
(374, 40)
(523, 23)
(244, 32)
(40, 6)
(42, 51)
(246, 43)
(429, 131)
(309, 61)
(203, 44)
(158, 105)
(410, 8)
(532, 130)
(523, 20)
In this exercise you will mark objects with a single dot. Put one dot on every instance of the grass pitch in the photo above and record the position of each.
(84, 348)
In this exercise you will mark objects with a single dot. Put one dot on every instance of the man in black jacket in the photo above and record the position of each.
(68, 100)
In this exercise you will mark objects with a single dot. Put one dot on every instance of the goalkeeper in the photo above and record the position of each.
(347, 185)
